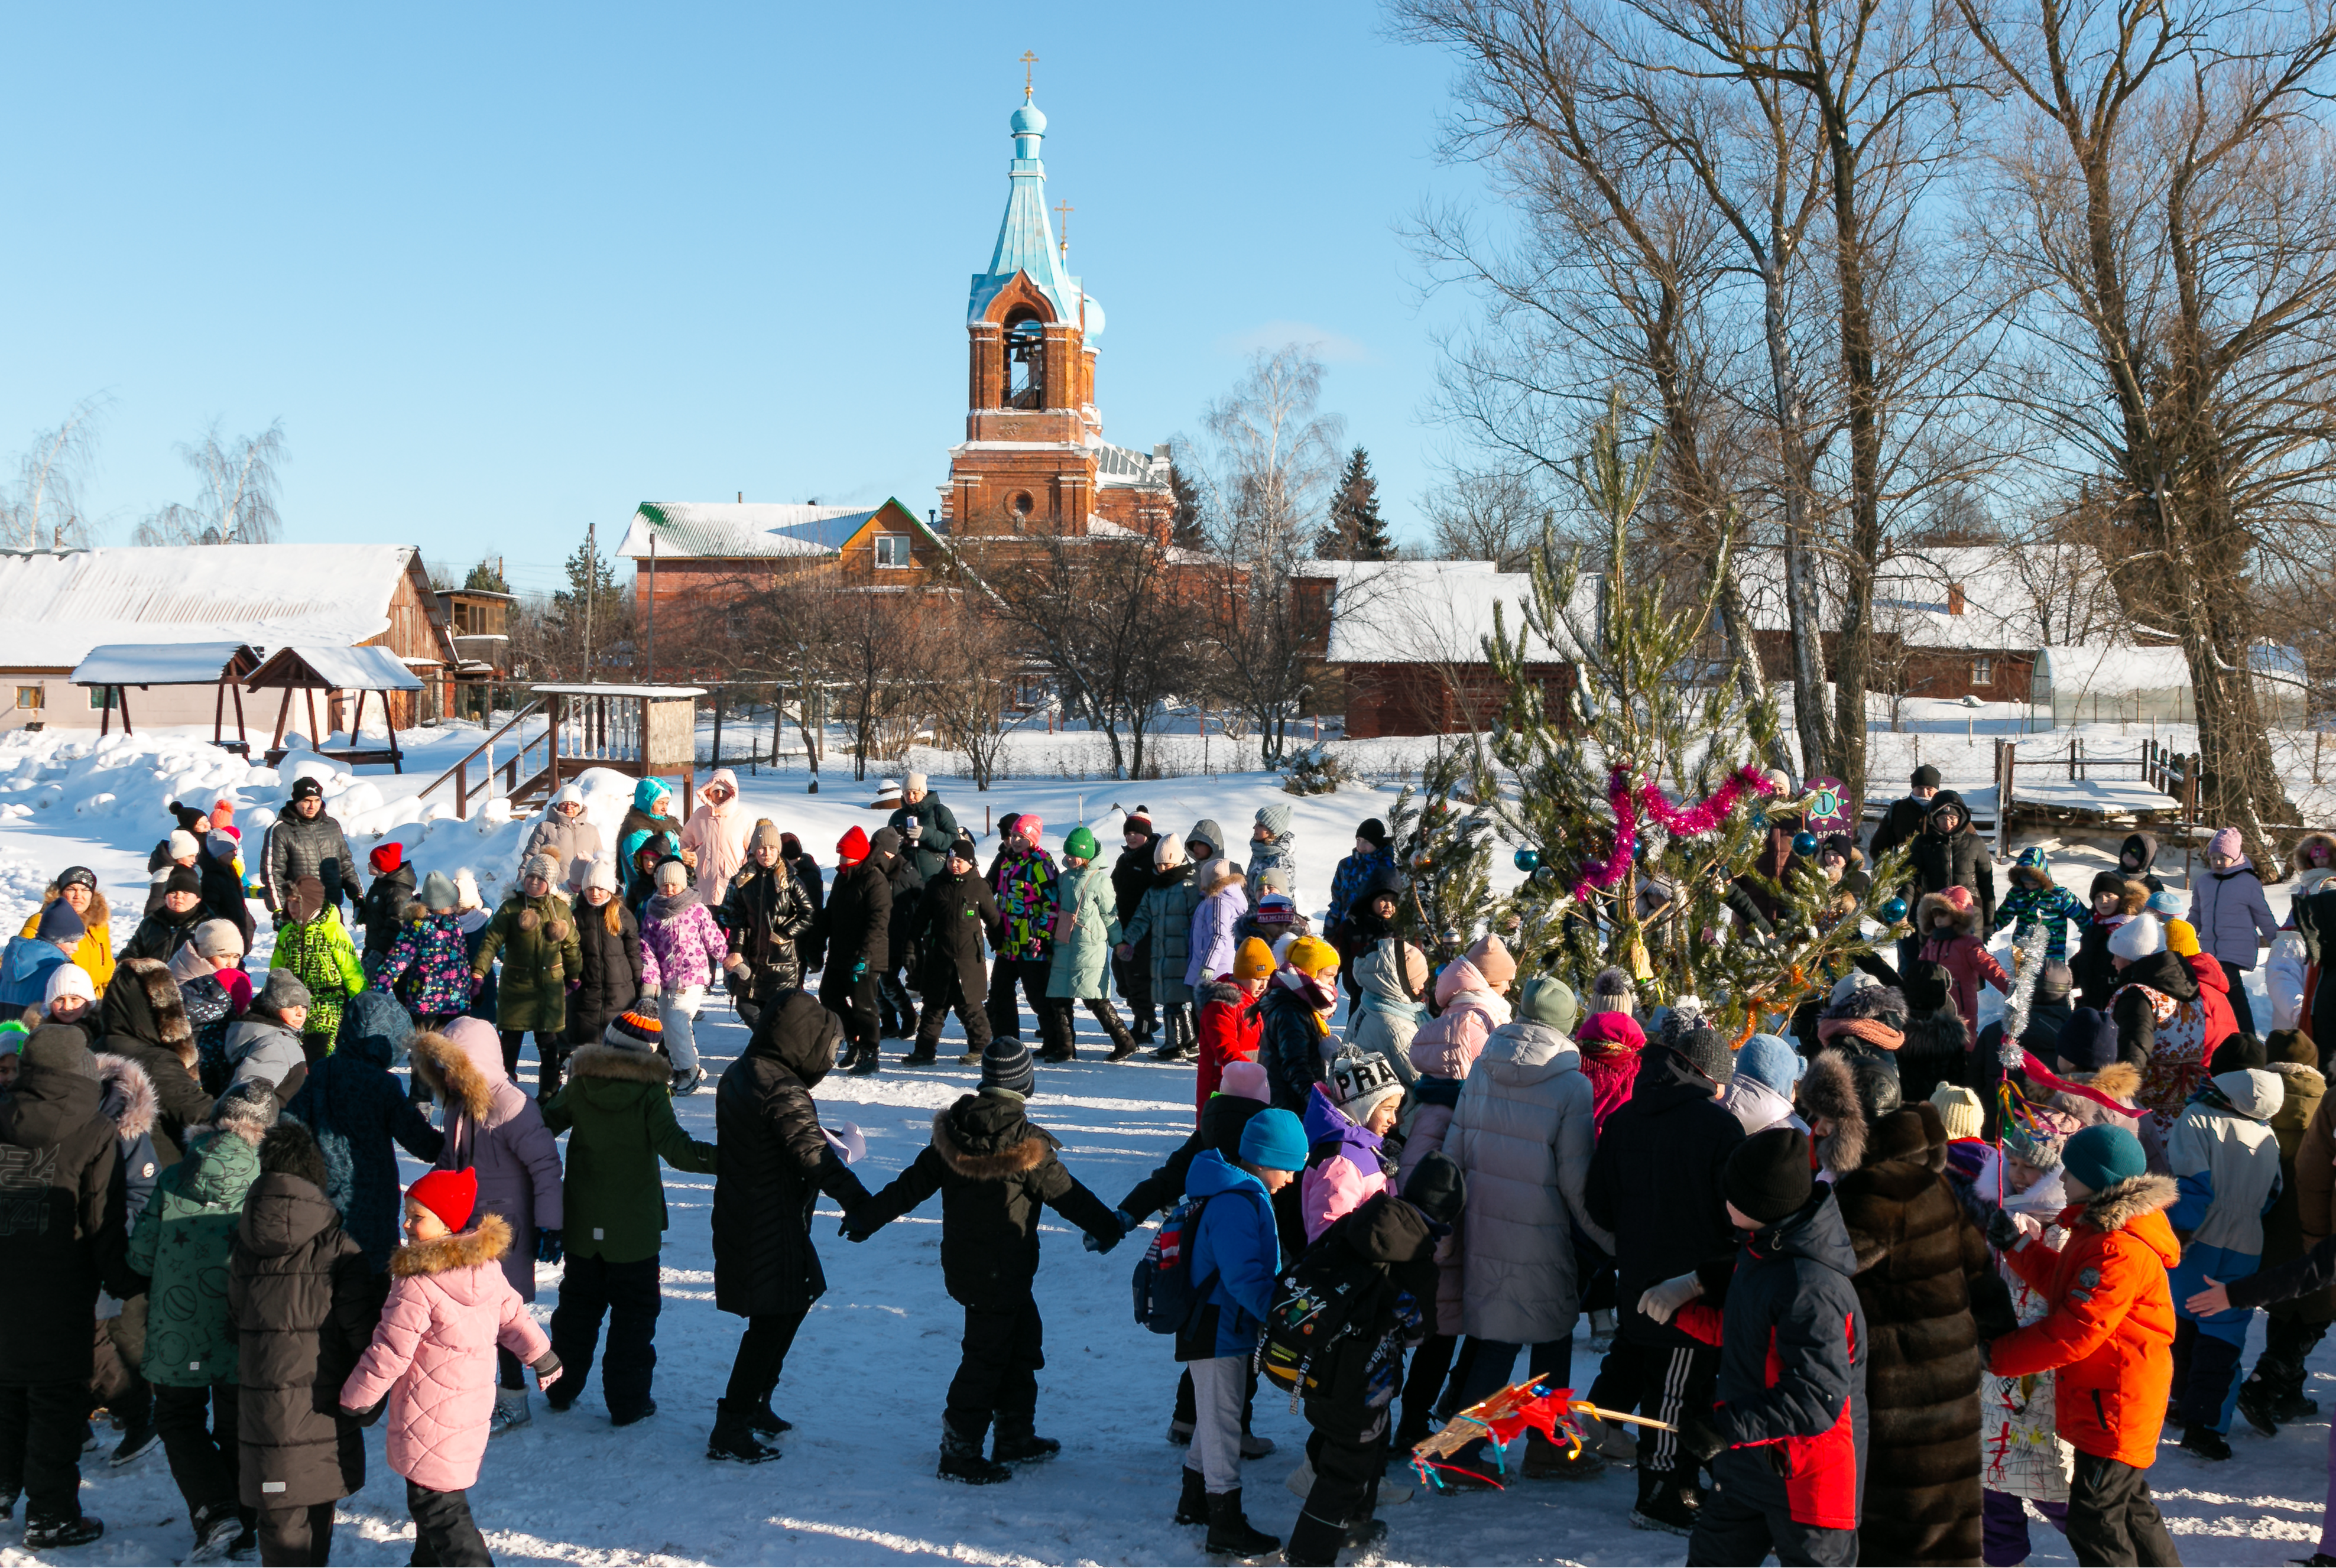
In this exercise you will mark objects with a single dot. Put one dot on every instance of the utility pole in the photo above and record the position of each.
(648, 654)
(591, 589)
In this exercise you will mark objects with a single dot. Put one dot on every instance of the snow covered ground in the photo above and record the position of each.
(865, 1381)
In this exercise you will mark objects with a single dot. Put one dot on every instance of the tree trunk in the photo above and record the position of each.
(1804, 610)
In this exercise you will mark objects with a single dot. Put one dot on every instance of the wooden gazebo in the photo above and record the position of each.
(641, 731)
(114, 667)
(331, 670)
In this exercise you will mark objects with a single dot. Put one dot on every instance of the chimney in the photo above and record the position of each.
(1954, 599)
(742, 498)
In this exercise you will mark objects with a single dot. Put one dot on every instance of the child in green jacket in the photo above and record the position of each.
(316, 947)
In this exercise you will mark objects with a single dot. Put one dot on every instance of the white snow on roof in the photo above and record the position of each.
(1428, 612)
(350, 669)
(60, 606)
(726, 529)
(1911, 598)
(157, 664)
(2107, 671)
(624, 690)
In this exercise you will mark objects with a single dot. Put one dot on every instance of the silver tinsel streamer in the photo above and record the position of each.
(2008, 1050)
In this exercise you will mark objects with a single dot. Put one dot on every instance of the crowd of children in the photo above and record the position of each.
(1869, 1315)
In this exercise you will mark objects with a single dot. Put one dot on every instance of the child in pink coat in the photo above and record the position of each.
(1949, 921)
(1348, 1117)
(433, 1358)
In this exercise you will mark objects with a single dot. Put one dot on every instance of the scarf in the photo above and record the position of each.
(664, 907)
(1319, 997)
(1872, 1031)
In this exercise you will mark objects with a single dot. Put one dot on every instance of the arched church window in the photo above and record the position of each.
(1023, 504)
(1025, 363)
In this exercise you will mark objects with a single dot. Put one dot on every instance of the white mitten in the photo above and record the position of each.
(1660, 1301)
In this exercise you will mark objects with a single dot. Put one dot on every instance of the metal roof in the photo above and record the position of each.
(1026, 237)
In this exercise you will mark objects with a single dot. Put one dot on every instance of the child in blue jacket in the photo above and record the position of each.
(2034, 897)
(1236, 1251)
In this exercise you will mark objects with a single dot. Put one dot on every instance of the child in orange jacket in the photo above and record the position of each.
(1230, 1026)
(2109, 1335)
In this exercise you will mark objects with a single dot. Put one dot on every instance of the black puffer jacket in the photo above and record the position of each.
(62, 1221)
(927, 830)
(955, 917)
(1131, 876)
(2129, 1010)
(300, 846)
(775, 1163)
(907, 890)
(1655, 1184)
(385, 910)
(1221, 1120)
(766, 916)
(1941, 859)
(994, 1168)
(611, 972)
(161, 934)
(812, 948)
(859, 916)
(356, 1108)
(143, 1019)
(303, 1301)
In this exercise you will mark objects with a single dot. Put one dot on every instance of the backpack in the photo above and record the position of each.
(1167, 1297)
(1330, 1296)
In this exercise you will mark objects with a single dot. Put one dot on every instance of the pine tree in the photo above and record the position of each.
(486, 576)
(1663, 914)
(1355, 530)
(1442, 838)
(593, 578)
(1187, 528)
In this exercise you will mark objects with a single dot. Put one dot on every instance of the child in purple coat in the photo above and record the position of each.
(682, 947)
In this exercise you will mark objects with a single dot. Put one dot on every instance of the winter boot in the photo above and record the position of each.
(733, 1435)
(686, 1083)
(1180, 1433)
(1182, 1046)
(1254, 1446)
(2205, 1442)
(920, 1055)
(961, 1460)
(1014, 1441)
(863, 1060)
(217, 1526)
(2259, 1403)
(52, 1533)
(970, 1059)
(1663, 1505)
(1193, 1506)
(1123, 1044)
(766, 1422)
(510, 1410)
(1230, 1533)
(1616, 1445)
(1548, 1461)
(138, 1437)
(1317, 1542)
(632, 1417)
(1147, 1025)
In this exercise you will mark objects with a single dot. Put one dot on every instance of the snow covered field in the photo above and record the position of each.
(865, 1380)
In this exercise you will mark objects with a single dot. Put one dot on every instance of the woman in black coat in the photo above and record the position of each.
(611, 941)
(766, 918)
(301, 1296)
(955, 915)
(775, 1163)
(812, 947)
(143, 1017)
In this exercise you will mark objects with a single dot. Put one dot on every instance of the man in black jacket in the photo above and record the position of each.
(953, 918)
(1655, 1182)
(858, 922)
(1904, 818)
(62, 1234)
(1949, 853)
(926, 826)
(775, 1163)
(1131, 879)
(994, 1168)
(765, 918)
(305, 842)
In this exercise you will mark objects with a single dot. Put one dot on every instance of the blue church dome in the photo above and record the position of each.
(1028, 121)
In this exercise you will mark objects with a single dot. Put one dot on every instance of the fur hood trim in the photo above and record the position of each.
(612, 1062)
(1884, 1003)
(1222, 873)
(1964, 923)
(1828, 1089)
(127, 1094)
(2120, 1081)
(450, 1074)
(2133, 896)
(1939, 1034)
(2120, 1204)
(2301, 1078)
(165, 1002)
(97, 917)
(1221, 990)
(1026, 1155)
(2299, 866)
(488, 1241)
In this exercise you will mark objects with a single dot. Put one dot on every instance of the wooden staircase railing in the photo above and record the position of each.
(519, 782)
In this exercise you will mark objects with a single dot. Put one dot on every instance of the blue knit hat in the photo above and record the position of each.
(1005, 1065)
(2167, 904)
(1274, 1141)
(1770, 1059)
(2101, 1156)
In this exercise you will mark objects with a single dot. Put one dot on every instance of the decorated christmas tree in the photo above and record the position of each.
(1441, 835)
(1651, 839)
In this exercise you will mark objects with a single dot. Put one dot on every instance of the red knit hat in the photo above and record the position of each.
(449, 1195)
(853, 847)
(387, 857)
(222, 811)
(1958, 897)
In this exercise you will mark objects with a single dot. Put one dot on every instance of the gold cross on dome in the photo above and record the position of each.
(1063, 209)
(1028, 60)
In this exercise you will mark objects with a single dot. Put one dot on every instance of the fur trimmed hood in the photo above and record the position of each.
(1220, 874)
(2301, 1078)
(1884, 1004)
(144, 1003)
(2120, 1081)
(485, 1244)
(1829, 1090)
(129, 1101)
(97, 917)
(2117, 1205)
(1025, 1153)
(451, 1073)
(1964, 922)
(615, 1062)
(1221, 990)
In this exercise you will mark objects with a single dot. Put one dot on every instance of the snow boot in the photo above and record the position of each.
(1663, 1505)
(632, 1417)
(54, 1533)
(137, 1438)
(1014, 1441)
(218, 1527)
(1254, 1446)
(970, 1059)
(766, 1423)
(1193, 1506)
(1230, 1534)
(2205, 1442)
(1180, 1433)
(733, 1437)
(2258, 1403)
(1616, 1443)
(1123, 1045)
(686, 1083)
(1548, 1461)
(1317, 1542)
(863, 1061)
(511, 1411)
(920, 1056)
(961, 1460)
(1180, 1046)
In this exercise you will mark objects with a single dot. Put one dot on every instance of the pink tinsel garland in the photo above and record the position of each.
(1680, 822)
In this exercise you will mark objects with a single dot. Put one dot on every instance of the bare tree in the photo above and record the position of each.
(46, 495)
(972, 665)
(236, 504)
(2161, 195)
(1486, 515)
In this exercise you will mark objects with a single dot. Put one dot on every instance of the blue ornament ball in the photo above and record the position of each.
(1759, 819)
(1639, 850)
(1804, 843)
(1893, 910)
(1545, 874)
(1527, 860)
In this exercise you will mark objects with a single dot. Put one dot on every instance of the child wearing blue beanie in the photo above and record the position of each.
(1237, 1252)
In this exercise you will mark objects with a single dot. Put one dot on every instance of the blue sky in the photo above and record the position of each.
(504, 270)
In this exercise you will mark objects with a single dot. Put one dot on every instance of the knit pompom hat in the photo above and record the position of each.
(1362, 1081)
(1612, 992)
(248, 1108)
(2042, 1144)
(541, 865)
(2139, 938)
(451, 1195)
(767, 836)
(634, 1031)
(1959, 1110)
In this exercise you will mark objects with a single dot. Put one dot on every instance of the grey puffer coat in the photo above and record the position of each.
(1166, 916)
(2232, 917)
(1523, 1133)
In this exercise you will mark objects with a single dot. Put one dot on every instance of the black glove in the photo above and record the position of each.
(1699, 1439)
(1991, 1310)
(2003, 1232)
(547, 1244)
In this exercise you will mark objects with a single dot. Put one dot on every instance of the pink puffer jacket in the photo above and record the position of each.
(1448, 1044)
(681, 943)
(494, 1128)
(432, 1355)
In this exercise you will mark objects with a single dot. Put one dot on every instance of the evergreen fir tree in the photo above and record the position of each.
(1675, 913)
(486, 576)
(1186, 527)
(1441, 835)
(593, 579)
(1355, 530)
